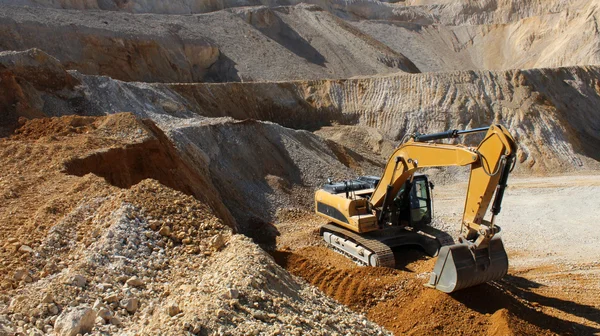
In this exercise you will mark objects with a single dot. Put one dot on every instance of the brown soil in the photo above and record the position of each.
(45, 176)
(397, 299)
(107, 199)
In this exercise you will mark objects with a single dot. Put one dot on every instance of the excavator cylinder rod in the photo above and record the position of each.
(458, 266)
(449, 134)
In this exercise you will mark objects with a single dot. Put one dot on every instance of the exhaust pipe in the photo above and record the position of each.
(458, 266)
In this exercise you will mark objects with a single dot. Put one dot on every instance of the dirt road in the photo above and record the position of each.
(549, 220)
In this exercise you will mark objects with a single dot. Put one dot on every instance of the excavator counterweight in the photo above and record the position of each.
(370, 216)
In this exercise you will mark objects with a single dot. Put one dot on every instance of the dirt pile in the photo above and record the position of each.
(39, 186)
(260, 167)
(135, 252)
(397, 299)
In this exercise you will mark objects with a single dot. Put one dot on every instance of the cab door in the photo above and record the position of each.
(420, 202)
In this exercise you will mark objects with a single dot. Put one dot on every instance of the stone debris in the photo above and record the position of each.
(78, 280)
(78, 320)
(111, 298)
(231, 293)
(173, 309)
(25, 249)
(116, 321)
(135, 282)
(217, 242)
(105, 314)
(53, 309)
(130, 304)
(48, 298)
(22, 274)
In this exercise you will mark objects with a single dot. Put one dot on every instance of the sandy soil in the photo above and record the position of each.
(549, 220)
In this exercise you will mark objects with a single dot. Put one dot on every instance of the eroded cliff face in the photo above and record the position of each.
(249, 44)
(494, 35)
(272, 40)
(551, 112)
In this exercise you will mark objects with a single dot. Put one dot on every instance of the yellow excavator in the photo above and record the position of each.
(370, 216)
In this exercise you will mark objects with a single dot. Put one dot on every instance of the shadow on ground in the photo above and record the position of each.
(510, 293)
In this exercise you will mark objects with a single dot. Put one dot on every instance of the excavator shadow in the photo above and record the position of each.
(521, 287)
(513, 293)
(407, 255)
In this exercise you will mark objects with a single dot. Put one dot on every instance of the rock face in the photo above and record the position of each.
(75, 321)
(187, 6)
(251, 44)
(379, 37)
(495, 35)
(536, 105)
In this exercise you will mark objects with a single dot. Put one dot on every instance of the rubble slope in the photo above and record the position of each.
(551, 112)
(246, 44)
(136, 247)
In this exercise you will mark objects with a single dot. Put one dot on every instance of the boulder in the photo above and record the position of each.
(78, 320)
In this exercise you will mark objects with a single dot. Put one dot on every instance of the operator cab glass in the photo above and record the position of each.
(414, 207)
(420, 202)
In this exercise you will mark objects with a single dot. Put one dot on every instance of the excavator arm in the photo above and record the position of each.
(490, 163)
(359, 217)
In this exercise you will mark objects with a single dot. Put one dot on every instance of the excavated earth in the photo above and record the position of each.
(191, 213)
(105, 213)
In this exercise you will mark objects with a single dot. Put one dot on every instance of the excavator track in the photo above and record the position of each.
(385, 255)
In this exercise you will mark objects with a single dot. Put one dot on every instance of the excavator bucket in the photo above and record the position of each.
(459, 267)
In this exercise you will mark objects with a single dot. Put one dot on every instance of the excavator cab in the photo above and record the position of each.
(412, 204)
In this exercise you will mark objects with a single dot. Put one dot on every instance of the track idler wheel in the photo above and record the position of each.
(459, 266)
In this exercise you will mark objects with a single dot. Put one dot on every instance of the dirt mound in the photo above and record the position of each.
(280, 167)
(397, 299)
(501, 323)
(38, 160)
(89, 224)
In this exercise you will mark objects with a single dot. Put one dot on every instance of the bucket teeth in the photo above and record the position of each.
(458, 266)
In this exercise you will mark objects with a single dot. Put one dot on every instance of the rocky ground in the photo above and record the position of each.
(89, 253)
(192, 212)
